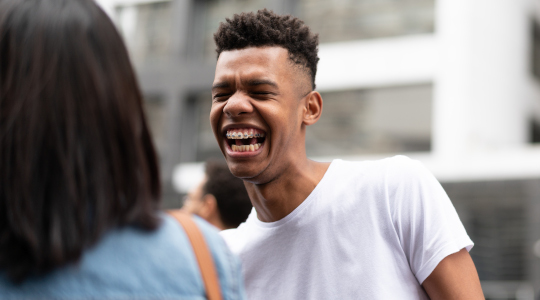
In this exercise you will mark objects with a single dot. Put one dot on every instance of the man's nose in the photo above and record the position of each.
(237, 104)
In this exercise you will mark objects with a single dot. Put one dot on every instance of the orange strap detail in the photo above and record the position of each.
(204, 258)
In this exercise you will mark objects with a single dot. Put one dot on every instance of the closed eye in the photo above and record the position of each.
(221, 96)
(262, 94)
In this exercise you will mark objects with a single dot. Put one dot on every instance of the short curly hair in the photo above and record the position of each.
(231, 196)
(266, 28)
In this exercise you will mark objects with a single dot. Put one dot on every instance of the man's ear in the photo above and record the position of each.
(313, 106)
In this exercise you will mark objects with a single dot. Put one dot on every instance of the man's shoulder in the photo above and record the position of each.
(403, 171)
(235, 238)
(376, 163)
(229, 234)
(388, 175)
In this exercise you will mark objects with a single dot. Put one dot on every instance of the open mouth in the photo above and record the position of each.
(245, 139)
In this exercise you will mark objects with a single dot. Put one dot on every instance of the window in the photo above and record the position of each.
(206, 145)
(156, 116)
(534, 132)
(146, 29)
(380, 120)
(341, 20)
(495, 216)
(216, 11)
(535, 51)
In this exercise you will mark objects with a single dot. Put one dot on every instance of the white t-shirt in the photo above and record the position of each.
(369, 230)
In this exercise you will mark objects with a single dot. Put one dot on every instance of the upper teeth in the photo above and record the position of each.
(243, 134)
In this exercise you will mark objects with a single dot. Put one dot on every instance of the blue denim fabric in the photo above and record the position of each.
(132, 264)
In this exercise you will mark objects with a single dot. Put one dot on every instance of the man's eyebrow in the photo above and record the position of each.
(255, 82)
(222, 84)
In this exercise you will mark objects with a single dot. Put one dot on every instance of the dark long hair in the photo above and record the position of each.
(76, 156)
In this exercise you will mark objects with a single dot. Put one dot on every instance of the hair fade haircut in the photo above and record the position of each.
(76, 156)
(231, 196)
(265, 28)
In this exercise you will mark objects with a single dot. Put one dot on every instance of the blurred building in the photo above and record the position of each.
(453, 83)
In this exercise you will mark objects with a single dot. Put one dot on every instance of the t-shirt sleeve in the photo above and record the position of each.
(424, 218)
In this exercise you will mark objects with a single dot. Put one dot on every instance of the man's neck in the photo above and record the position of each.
(275, 200)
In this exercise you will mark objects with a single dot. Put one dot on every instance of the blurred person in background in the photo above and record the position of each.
(342, 230)
(220, 198)
(79, 177)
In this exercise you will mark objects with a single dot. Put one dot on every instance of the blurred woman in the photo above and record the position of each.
(79, 178)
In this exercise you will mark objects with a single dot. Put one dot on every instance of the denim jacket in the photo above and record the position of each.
(129, 263)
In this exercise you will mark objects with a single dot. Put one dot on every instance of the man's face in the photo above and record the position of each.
(256, 111)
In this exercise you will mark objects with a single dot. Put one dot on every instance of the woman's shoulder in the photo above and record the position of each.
(226, 263)
(169, 255)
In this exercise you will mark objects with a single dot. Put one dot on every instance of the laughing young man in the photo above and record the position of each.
(342, 230)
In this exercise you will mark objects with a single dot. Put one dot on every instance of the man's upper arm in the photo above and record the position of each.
(425, 220)
(455, 277)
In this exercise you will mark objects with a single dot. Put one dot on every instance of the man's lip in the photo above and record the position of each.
(246, 154)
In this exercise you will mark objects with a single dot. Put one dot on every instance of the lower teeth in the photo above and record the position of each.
(245, 148)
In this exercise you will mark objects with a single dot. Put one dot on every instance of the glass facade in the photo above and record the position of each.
(156, 116)
(379, 120)
(216, 11)
(495, 217)
(207, 146)
(147, 30)
(344, 20)
(535, 49)
(333, 20)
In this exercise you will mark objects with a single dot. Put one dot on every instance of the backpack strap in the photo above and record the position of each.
(204, 258)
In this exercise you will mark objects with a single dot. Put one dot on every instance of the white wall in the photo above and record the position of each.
(483, 89)
(395, 61)
(107, 6)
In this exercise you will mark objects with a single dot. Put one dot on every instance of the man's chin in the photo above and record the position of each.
(243, 170)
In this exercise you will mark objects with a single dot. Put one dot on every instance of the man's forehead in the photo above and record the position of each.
(258, 63)
(252, 65)
(252, 58)
(255, 53)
